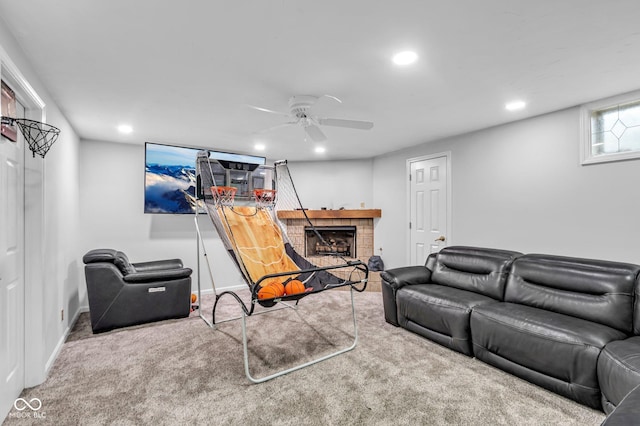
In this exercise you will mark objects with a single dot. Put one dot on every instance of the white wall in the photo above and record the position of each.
(46, 297)
(112, 216)
(112, 203)
(334, 184)
(520, 186)
(63, 274)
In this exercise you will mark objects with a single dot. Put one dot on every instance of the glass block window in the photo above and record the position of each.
(613, 132)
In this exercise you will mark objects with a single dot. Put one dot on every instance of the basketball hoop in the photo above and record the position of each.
(40, 136)
(223, 195)
(265, 197)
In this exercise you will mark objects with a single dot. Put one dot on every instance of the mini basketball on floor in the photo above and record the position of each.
(294, 287)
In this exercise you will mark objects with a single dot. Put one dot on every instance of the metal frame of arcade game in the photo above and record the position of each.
(250, 230)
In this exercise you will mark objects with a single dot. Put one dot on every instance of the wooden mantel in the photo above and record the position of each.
(331, 214)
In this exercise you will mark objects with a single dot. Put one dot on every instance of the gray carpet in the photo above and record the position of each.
(181, 372)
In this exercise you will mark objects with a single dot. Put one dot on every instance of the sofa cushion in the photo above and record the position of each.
(479, 270)
(619, 369)
(562, 348)
(593, 290)
(440, 313)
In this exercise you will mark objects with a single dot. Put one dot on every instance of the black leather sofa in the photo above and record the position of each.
(567, 324)
(122, 293)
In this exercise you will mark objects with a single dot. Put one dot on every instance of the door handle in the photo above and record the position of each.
(440, 238)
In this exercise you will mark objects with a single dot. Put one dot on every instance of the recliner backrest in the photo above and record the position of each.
(122, 263)
(594, 290)
(117, 258)
(479, 270)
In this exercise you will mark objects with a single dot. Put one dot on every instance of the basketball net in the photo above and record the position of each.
(265, 198)
(39, 136)
(223, 195)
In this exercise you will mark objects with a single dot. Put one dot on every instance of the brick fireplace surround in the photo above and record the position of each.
(363, 221)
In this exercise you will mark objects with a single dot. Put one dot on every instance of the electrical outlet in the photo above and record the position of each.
(62, 315)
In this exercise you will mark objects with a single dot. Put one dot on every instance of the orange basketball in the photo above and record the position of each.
(193, 298)
(268, 292)
(279, 289)
(294, 287)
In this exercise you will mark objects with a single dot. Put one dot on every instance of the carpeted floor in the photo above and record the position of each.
(182, 372)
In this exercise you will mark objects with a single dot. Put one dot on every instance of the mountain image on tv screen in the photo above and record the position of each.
(170, 179)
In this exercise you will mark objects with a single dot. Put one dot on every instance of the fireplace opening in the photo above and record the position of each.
(340, 241)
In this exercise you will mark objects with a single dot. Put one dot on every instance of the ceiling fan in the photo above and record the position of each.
(300, 114)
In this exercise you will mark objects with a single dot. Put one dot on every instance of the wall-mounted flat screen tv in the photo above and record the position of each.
(170, 176)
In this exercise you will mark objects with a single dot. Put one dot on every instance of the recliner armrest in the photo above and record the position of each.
(158, 275)
(158, 264)
(408, 275)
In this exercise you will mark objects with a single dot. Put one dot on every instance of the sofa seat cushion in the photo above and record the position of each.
(619, 370)
(439, 313)
(552, 350)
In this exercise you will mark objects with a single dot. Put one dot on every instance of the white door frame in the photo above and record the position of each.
(34, 363)
(447, 155)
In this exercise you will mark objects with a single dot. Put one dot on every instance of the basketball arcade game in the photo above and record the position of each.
(242, 200)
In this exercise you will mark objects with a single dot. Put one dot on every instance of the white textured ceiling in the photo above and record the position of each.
(182, 72)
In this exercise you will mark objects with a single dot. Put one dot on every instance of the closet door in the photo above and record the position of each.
(12, 283)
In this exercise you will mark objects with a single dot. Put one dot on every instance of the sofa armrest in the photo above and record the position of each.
(408, 275)
(158, 264)
(627, 412)
(157, 275)
(393, 280)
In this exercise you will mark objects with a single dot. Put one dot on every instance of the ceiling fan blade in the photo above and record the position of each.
(352, 124)
(277, 126)
(319, 101)
(270, 111)
(315, 133)
(332, 97)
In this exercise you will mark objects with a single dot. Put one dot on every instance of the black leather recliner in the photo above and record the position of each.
(122, 293)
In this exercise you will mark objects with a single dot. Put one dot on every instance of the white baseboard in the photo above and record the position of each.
(58, 348)
(221, 290)
(67, 331)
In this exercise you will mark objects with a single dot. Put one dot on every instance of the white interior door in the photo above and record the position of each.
(428, 206)
(11, 269)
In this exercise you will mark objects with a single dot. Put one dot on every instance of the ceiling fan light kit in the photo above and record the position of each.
(300, 114)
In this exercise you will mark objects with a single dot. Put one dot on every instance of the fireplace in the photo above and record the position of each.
(340, 241)
(362, 220)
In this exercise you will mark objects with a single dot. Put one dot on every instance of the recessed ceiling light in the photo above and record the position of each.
(515, 105)
(405, 58)
(125, 128)
(259, 147)
(320, 149)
